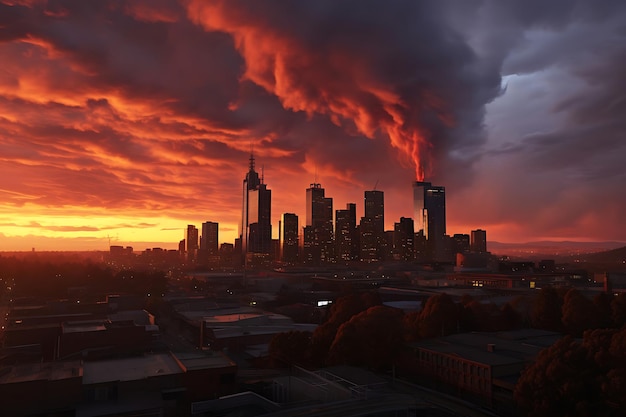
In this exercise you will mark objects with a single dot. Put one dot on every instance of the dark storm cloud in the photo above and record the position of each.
(154, 105)
(377, 68)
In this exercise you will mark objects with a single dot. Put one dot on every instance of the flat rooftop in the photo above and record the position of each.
(46, 371)
(84, 326)
(192, 361)
(129, 369)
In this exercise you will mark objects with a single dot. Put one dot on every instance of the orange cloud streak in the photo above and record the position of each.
(335, 83)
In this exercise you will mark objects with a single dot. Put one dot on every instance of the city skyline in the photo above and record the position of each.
(121, 123)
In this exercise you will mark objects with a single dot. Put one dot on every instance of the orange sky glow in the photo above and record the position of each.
(123, 122)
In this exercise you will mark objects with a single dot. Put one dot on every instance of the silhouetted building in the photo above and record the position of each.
(429, 202)
(403, 239)
(192, 242)
(373, 226)
(210, 235)
(319, 216)
(256, 227)
(345, 233)
(478, 241)
(290, 238)
(368, 239)
(460, 243)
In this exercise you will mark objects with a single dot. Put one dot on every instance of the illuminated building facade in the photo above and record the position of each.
(290, 238)
(318, 239)
(429, 202)
(256, 226)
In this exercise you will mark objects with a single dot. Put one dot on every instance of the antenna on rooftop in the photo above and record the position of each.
(375, 185)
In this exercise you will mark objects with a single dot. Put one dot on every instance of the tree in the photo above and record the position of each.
(579, 313)
(561, 382)
(340, 312)
(577, 379)
(440, 317)
(546, 310)
(372, 338)
(602, 302)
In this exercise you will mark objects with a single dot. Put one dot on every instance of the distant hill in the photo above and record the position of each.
(551, 249)
(615, 256)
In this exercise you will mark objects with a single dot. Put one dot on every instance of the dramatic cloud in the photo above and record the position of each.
(135, 118)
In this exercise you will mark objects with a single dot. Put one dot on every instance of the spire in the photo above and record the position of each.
(251, 161)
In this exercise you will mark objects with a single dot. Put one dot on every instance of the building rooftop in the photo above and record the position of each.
(192, 361)
(46, 371)
(498, 348)
(467, 352)
(128, 369)
(84, 326)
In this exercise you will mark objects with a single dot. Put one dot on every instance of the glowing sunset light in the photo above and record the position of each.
(129, 120)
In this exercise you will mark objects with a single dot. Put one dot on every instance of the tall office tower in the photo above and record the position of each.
(209, 240)
(346, 248)
(429, 202)
(319, 216)
(192, 241)
(290, 238)
(256, 227)
(368, 240)
(460, 243)
(375, 209)
(478, 241)
(373, 226)
(403, 239)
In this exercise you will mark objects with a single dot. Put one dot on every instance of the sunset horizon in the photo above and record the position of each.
(122, 123)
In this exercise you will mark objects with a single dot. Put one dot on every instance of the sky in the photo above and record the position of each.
(121, 122)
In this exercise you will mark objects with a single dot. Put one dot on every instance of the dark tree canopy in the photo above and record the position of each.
(440, 317)
(579, 313)
(372, 338)
(546, 310)
(577, 379)
(340, 312)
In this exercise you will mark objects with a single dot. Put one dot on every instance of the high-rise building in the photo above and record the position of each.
(256, 227)
(345, 233)
(368, 240)
(375, 209)
(403, 239)
(478, 241)
(209, 239)
(290, 238)
(460, 243)
(373, 226)
(192, 242)
(429, 202)
(319, 217)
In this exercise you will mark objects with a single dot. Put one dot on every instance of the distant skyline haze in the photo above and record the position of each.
(123, 122)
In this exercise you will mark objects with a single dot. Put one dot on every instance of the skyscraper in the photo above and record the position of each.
(375, 209)
(256, 227)
(192, 241)
(403, 238)
(345, 233)
(478, 241)
(290, 238)
(319, 218)
(209, 239)
(373, 226)
(429, 202)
